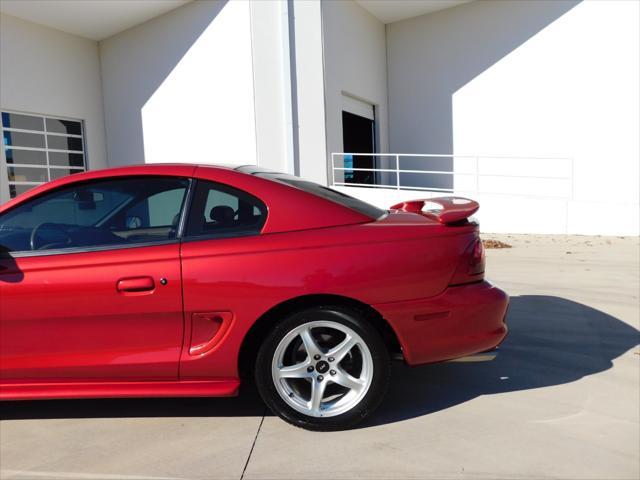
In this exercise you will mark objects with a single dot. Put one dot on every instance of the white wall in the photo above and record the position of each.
(45, 71)
(179, 88)
(355, 64)
(527, 79)
(272, 84)
(309, 69)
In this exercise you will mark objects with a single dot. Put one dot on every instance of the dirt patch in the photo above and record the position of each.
(495, 244)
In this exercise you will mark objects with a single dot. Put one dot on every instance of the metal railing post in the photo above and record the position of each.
(571, 196)
(397, 171)
(572, 175)
(477, 175)
(333, 169)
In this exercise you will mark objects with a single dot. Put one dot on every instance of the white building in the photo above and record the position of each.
(532, 107)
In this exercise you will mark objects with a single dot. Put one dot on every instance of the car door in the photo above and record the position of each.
(218, 267)
(90, 282)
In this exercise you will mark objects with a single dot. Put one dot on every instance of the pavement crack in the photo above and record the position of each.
(255, 439)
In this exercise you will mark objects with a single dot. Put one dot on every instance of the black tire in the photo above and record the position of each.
(369, 402)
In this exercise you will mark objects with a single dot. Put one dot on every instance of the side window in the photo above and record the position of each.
(219, 210)
(115, 212)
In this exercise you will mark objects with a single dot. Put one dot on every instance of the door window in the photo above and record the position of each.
(105, 213)
(219, 210)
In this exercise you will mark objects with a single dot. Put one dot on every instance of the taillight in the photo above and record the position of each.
(471, 266)
(476, 264)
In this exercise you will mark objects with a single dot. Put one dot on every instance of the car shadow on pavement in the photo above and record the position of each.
(248, 404)
(551, 341)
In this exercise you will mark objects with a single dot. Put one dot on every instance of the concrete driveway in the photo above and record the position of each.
(561, 401)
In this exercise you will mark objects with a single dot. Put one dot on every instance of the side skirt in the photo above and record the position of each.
(65, 389)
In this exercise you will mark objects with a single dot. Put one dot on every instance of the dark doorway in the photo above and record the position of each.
(358, 136)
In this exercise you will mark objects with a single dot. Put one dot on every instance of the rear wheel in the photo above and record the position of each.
(324, 368)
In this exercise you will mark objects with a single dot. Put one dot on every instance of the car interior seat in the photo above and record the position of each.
(221, 216)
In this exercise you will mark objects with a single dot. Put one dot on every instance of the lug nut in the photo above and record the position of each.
(332, 372)
(320, 378)
(331, 359)
(316, 357)
(309, 369)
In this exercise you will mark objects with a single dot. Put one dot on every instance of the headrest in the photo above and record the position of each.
(222, 214)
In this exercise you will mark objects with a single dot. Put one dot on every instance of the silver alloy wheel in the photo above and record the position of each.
(332, 349)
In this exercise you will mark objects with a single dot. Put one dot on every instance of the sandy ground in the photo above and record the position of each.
(561, 401)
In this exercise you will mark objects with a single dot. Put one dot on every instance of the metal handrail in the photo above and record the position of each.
(476, 173)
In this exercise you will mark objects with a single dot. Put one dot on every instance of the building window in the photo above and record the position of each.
(38, 149)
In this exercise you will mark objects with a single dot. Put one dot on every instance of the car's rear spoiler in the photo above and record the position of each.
(453, 209)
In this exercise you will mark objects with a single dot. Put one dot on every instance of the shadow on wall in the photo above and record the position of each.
(458, 44)
(134, 65)
(552, 341)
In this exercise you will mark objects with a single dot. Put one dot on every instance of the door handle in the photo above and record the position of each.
(135, 285)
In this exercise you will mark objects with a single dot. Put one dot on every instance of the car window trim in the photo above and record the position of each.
(221, 236)
(97, 248)
(187, 201)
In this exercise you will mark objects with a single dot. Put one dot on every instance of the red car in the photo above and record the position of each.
(179, 280)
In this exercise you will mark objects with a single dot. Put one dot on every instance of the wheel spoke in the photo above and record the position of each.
(317, 394)
(343, 378)
(299, 370)
(310, 344)
(340, 351)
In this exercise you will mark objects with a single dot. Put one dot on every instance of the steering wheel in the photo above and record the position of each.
(55, 226)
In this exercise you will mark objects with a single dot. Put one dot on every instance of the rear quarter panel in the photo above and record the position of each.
(385, 261)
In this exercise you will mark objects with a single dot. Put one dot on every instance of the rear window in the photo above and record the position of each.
(318, 190)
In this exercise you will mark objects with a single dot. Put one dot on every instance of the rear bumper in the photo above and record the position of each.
(461, 321)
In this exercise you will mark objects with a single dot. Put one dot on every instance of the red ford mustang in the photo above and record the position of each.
(179, 280)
